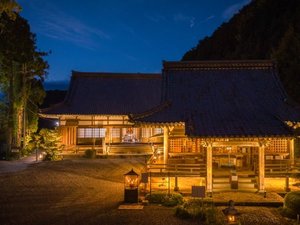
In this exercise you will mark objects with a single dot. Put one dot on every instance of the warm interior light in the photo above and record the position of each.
(231, 218)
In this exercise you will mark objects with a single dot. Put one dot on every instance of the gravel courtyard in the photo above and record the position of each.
(83, 191)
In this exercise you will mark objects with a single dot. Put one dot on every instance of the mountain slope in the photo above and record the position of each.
(264, 29)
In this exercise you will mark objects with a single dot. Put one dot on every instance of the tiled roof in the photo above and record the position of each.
(227, 98)
(109, 94)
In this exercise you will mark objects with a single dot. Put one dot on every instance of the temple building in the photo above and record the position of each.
(215, 114)
(94, 114)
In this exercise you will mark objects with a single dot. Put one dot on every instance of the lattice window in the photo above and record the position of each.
(146, 132)
(91, 132)
(175, 145)
(157, 131)
(182, 145)
(278, 146)
(115, 132)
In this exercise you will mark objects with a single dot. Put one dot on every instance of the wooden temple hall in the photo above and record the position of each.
(196, 118)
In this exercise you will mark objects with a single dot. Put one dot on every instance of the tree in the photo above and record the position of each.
(49, 141)
(22, 69)
(288, 58)
(263, 29)
(10, 7)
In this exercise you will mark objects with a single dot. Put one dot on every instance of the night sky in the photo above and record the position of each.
(121, 35)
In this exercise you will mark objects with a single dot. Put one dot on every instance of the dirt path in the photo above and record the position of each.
(16, 165)
(87, 192)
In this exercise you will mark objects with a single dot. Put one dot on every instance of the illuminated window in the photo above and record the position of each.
(91, 132)
(158, 131)
(146, 132)
(115, 132)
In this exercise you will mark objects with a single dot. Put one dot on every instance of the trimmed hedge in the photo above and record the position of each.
(201, 210)
(291, 205)
(292, 201)
(165, 199)
(90, 154)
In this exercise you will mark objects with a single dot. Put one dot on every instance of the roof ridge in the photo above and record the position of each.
(218, 64)
(151, 111)
(116, 75)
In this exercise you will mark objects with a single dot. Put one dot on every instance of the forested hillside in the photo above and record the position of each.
(264, 29)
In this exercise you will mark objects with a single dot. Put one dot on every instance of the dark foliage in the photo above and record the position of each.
(53, 97)
(264, 29)
(90, 154)
(165, 199)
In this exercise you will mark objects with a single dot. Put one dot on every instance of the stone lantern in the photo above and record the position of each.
(131, 183)
(231, 213)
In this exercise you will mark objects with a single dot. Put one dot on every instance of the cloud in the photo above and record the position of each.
(179, 17)
(233, 9)
(58, 25)
(211, 17)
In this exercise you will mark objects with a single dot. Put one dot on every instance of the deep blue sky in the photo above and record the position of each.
(121, 35)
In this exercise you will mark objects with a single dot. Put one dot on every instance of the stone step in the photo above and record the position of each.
(221, 185)
(246, 180)
(246, 185)
(237, 190)
(221, 180)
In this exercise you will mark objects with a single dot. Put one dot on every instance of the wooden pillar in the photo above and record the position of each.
(110, 135)
(166, 144)
(292, 151)
(261, 167)
(121, 134)
(209, 181)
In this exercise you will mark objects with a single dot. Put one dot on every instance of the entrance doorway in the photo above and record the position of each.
(234, 157)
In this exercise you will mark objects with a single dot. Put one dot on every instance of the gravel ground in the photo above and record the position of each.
(89, 192)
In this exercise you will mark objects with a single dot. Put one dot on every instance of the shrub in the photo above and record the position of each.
(173, 200)
(165, 199)
(13, 155)
(292, 201)
(182, 212)
(191, 209)
(287, 212)
(48, 141)
(200, 210)
(90, 154)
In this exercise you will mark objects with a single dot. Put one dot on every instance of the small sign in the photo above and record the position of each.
(198, 191)
(234, 178)
(144, 178)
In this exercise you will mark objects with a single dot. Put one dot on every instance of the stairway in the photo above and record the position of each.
(130, 149)
(246, 182)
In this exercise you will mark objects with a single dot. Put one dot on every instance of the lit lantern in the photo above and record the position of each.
(231, 213)
(131, 183)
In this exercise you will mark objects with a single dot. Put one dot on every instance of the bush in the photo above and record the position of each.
(191, 209)
(182, 212)
(90, 154)
(292, 201)
(200, 210)
(173, 200)
(13, 155)
(165, 199)
(287, 212)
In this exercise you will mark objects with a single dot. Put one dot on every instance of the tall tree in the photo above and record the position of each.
(22, 68)
(10, 7)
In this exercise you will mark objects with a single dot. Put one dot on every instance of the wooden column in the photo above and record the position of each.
(166, 144)
(261, 167)
(292, 151)
(209, 181)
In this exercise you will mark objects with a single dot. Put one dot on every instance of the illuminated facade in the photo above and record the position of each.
(95, 112)
(218, 114)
